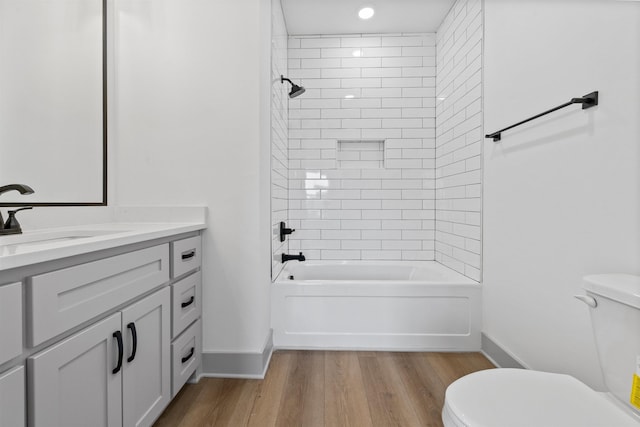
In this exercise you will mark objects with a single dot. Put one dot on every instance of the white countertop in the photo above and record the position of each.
(49, 244)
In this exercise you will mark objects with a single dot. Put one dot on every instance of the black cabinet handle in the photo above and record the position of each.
(188, 303)
(188, 255)
(118, 336)
(134, 334)
(188, 356)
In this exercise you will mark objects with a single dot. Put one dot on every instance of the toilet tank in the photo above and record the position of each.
(616, 326)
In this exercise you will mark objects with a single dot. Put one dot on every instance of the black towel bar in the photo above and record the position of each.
(587, 101)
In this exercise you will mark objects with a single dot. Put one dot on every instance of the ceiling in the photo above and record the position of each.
(311, 17)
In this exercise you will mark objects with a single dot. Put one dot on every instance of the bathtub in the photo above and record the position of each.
(375, 305)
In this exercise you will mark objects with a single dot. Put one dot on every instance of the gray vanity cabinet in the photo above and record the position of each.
(102, 339)
(87, 380)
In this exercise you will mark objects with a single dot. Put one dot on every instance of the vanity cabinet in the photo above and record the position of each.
(115, 372)
(108, 338)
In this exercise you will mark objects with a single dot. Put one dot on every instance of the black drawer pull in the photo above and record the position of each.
(188, 254)
(188, 356)
(118, 336)
(134, 335)
(188, 303)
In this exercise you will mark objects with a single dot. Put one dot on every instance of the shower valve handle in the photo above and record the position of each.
(284, 231)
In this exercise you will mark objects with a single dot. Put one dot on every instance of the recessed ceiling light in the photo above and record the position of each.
(357, 53)
(349, 96)
(366, 12)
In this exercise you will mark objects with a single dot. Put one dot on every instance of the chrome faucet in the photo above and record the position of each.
(12, 226)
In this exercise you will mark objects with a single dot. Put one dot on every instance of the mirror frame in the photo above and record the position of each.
(104, 133)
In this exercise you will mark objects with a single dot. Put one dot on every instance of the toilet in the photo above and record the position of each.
(526, 398)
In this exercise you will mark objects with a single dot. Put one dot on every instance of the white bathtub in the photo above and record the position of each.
(375, 305)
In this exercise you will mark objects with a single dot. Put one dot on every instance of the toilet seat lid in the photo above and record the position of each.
(519, 397)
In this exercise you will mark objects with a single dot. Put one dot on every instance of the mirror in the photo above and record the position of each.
(53, 101)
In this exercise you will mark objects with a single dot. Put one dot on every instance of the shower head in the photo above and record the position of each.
(295, 89)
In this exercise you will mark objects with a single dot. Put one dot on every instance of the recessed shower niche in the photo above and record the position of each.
(360, 154)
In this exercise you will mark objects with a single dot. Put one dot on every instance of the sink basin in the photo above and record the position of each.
(30, 241)
(47, 241)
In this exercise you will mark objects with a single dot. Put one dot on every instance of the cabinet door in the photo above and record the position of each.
(10, 321)
(146, 372)
(12, 398)
(72, 383)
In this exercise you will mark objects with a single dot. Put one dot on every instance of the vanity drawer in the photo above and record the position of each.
(185, 356)
(186, 255)
(10, 321)
(12, 397)
(186, 301)
(63, 299)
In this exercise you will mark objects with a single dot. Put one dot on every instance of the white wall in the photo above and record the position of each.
(192, 113)
(562, 194)
(459, 139)
(348, 208)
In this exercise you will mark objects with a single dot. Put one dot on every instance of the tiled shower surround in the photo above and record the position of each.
(459, 139)
(384, 146)
(362, 147)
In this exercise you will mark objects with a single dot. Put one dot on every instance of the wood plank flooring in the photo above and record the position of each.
(327, 388)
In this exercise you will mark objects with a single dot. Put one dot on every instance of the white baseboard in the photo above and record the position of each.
(498, 355)
(238, 365)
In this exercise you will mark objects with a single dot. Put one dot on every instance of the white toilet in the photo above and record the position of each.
(525, 398)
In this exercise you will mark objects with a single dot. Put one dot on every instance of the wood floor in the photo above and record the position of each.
(327, 388)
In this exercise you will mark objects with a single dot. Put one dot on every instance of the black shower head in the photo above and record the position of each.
(295, 89)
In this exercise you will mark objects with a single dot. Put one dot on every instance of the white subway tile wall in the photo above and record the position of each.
(459, 139)
(362, 141)
(279, 137)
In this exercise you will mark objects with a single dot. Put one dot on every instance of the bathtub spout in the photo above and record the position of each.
(287, 257)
